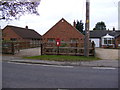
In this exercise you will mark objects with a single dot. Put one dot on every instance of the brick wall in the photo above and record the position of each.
(8, 34)
(117, 41)
(65, 32)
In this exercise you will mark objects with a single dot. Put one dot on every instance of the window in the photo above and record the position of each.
(113, 41)
(105, 40)
(108, 41)
(13, 39)
(62, 41)
(73, 40)
(51, 40)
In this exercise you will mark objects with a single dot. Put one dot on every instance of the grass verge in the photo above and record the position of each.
(62, 58)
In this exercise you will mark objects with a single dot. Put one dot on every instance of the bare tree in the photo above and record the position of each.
(13, 9)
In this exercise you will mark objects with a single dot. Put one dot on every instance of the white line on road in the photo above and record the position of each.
(60, 66)
(57, 66)
(106, 68)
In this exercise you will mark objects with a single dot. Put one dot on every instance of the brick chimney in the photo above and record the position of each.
(113, 28)
(74, 24)
(26, 27)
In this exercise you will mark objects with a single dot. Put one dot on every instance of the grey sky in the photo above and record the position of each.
(51, 11)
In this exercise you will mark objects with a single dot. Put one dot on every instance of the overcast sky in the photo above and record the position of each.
(51, 11)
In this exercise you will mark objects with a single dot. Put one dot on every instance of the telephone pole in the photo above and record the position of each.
(87, 25)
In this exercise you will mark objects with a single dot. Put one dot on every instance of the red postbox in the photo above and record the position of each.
(57, 42)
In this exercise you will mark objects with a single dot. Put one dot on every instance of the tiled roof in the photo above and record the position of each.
(24, 32)
(101, 33)
(63, 29)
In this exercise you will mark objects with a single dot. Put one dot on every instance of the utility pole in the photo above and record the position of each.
(86, 43)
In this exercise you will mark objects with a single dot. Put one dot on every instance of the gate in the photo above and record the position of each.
(15, 47)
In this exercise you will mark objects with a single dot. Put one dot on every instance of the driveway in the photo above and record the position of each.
(29, 52)
(107, 53)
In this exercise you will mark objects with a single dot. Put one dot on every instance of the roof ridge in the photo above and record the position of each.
(18, 27)
(23, 32)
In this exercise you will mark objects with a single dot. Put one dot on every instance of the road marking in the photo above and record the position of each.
(60, 66)
(18, 63)
(62, 89)
(104, 68)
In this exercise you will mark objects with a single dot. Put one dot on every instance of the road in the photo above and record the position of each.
(45, 76)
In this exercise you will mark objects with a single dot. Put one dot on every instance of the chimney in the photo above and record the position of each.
(26, 27)
(74, 24)
(113, 28)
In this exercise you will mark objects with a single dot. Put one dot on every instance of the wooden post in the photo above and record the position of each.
(12, 48)
(86, 42)
(76, 49)
(41, 49)
(57, 50)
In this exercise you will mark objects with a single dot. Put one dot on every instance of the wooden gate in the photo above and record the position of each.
(15, 47)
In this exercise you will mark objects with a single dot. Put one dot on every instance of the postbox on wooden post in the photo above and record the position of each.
(57, 42)
(58, 45)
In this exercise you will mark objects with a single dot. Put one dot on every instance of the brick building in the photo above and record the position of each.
(65, 32)
(13, 33)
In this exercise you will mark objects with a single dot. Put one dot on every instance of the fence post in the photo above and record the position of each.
(41, 49)
(57, 50)
(76, 49)
(13, 49)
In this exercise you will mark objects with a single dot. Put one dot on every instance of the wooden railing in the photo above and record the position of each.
(67, 49)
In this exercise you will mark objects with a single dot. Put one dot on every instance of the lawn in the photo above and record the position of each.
(62, 58)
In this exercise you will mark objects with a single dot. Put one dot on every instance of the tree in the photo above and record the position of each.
(80, 26)
(13, 9)
(100, 26)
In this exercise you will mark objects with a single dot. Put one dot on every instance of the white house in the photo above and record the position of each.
(108, 40)
(104, 38)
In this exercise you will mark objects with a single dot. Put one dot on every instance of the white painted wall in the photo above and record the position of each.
(96, 41)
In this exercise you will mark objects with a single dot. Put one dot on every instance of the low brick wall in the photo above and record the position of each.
(109, 54)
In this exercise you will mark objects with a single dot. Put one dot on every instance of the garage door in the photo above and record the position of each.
(97, 42)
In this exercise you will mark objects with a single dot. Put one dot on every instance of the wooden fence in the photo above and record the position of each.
(9, 48)
(15, 47)
(65, 49)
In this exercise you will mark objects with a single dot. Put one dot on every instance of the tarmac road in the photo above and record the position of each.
(17, 75)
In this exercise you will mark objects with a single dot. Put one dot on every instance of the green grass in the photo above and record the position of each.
(62, 58)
